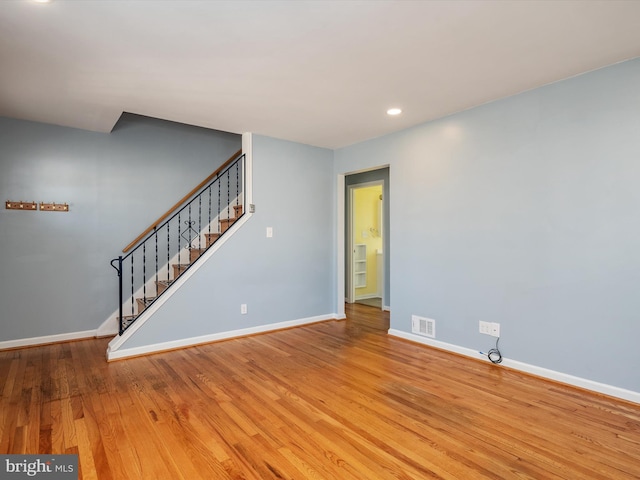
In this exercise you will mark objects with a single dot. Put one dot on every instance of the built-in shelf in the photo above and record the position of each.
(360, 265)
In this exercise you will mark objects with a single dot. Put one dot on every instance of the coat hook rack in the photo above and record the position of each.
(54, 207)
(9, 205)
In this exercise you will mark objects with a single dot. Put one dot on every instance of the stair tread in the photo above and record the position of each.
(128, 320)
(146, 300)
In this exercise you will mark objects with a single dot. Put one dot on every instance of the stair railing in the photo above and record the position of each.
(166, 250)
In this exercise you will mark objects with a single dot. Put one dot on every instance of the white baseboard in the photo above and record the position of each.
(525, 367)
(386, 308)
(33, 341)
(109, 327)
(189, 342)
(367, 296)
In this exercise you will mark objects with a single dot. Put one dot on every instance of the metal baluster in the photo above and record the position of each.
(179, 252)
(209, 228)
(119, 270)
(199, 221)
(132, 300)
(219, 225)
(188, 232)
(155, 232)
(238, 183)
(228, 196)
(144, 273)
(168, 252)
(244, 184)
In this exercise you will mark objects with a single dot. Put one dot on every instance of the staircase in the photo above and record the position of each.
(157, 258)
(179, 268)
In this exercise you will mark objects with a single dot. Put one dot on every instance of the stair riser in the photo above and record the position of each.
(194, 253)
(141, 305)
(226, 223)
(178, 269)
(211, 238)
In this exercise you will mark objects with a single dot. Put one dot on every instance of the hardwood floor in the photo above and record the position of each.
(334, 400)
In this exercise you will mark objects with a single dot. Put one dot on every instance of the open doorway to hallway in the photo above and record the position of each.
(367, 276)
(366, 238)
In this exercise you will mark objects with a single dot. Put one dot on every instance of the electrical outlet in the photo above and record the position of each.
(243, 309)
(490, 328)
(495, 330)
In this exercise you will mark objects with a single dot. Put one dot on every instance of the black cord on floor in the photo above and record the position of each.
(494, 354)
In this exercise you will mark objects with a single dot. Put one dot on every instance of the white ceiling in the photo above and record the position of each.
(317, 72)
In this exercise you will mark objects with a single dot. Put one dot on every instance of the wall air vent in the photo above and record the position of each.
(423, 326)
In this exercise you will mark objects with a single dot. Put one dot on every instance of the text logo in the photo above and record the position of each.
(50, 467)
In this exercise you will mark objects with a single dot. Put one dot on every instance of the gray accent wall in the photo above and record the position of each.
(56, 276)
(284, 278)
(525, 212)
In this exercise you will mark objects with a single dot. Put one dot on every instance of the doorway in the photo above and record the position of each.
(366, 237)
(365, 230)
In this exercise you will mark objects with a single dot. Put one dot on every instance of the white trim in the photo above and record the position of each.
(60, 337)
(367, 296)
(247, 150)
(525, 367)
(109, 326)
(349, 247)
(340, 241)
(189, 342)
(386, 308)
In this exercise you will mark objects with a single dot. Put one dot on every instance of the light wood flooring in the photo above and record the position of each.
(337, 400)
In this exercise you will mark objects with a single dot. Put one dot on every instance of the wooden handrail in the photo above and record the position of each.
(181, 201)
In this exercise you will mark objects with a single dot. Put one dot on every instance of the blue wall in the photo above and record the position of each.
(524, 212)
(56, 276)
(287, 277)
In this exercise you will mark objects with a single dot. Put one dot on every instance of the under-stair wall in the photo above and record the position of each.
(55, 284)
(284, 280)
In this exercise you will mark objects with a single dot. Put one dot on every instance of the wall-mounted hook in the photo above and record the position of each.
(10, 205)
(54, 207)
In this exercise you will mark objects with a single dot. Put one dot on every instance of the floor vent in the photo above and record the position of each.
(423, 326)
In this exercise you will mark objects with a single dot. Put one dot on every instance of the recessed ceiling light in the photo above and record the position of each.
(42, 1)
(394, 111)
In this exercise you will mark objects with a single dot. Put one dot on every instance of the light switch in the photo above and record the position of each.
(269, 232)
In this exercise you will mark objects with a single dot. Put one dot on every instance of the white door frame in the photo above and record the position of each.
(350, 235)
(340, 241)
